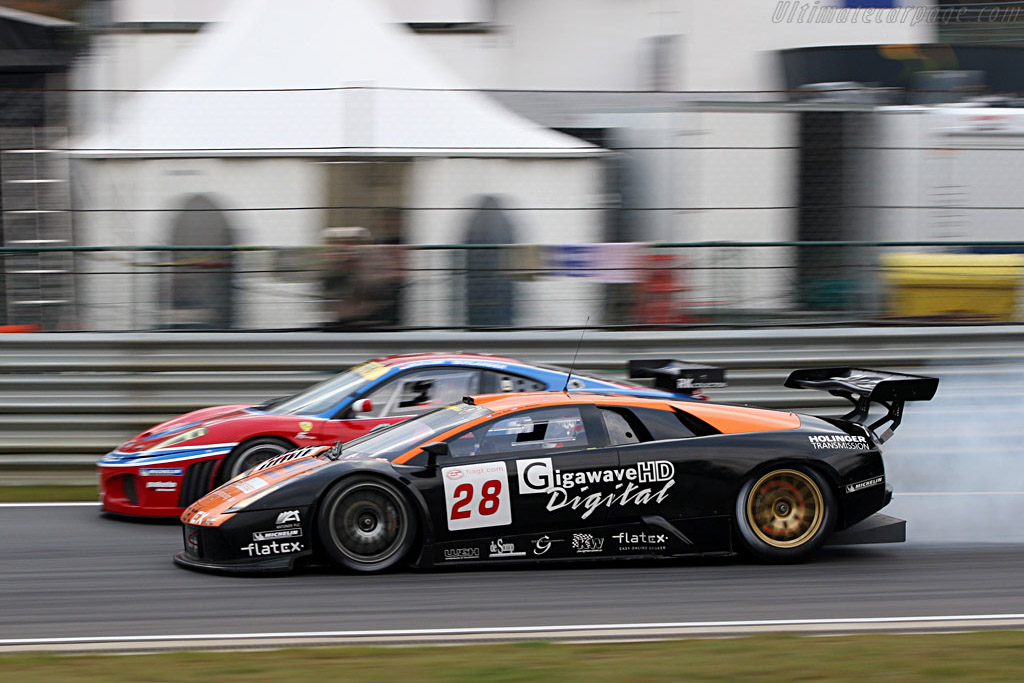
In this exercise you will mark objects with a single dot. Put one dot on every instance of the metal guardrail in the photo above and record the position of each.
(65, 399)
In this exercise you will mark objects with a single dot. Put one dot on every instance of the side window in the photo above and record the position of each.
(619, 430)
(541, 429)
(423, 390)
(497, 382)
(666, 424)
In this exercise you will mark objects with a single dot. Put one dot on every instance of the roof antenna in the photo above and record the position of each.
(573, 365)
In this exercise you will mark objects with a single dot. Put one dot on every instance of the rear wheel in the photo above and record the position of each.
(251, 453)
(366, 524)
(785, 514)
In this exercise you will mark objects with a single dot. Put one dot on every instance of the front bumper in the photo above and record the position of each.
(249, 542)
(141, 488)
(278, 566)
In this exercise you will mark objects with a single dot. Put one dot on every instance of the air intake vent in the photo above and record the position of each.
(198, 481)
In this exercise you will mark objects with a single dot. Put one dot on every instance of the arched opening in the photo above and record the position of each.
(202, 295)
(490, 291)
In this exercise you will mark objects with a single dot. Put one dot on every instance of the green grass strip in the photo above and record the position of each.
(48, 494)
(981, 656)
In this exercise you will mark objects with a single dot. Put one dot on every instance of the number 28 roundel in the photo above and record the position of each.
(477, 495)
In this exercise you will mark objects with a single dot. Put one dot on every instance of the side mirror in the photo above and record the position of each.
(363, 405)
(433, 450)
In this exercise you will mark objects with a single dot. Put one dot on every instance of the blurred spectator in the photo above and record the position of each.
(361, 280)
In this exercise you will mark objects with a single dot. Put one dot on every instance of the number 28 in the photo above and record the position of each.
(489, 500)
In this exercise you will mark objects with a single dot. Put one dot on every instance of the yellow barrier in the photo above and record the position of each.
(952, 285)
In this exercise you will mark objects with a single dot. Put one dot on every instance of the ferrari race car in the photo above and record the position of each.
(162, 470)
(558, 476)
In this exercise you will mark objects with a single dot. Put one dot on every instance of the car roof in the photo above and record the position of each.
(728, 419)
(402, 359)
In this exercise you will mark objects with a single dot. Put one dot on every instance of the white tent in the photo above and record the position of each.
(315, 78)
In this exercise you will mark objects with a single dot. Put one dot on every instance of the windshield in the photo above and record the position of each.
(321, 398)
(395, 440)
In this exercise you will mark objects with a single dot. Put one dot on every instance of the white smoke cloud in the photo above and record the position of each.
(957, 462)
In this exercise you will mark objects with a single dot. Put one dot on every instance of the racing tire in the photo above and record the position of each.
(785, 514)
(366, 524)
(250, 453)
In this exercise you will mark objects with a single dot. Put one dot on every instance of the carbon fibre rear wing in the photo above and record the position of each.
(677, 376)
(862, 387)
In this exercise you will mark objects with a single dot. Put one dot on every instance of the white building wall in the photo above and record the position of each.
(150, 35)
(548, 202)
(607, 44)
(133, 202)
(949, 173)
(730, 45)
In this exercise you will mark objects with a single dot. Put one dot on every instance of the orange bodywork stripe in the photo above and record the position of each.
(725, 418)
(211, 509)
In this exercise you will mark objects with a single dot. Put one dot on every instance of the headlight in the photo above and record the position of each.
(181, 438)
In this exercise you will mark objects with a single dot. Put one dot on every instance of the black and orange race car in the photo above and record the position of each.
(559, 476)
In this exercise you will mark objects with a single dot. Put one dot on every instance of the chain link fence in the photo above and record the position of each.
(656, 209)
(629, 285)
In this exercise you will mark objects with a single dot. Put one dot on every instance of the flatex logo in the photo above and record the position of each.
(272, 548)
(641, 541)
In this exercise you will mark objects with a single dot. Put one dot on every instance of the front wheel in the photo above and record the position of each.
(252, 453)
(785, 515)
(366, 524)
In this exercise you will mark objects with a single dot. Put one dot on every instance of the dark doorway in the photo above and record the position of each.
(831, 195)
(490, 288)
(202, 295)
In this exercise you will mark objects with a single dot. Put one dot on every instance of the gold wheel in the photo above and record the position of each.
(785, 508)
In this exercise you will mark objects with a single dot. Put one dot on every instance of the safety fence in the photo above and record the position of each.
(360, 287)
(65, 399)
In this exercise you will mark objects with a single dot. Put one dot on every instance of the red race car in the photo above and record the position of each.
(166, 468)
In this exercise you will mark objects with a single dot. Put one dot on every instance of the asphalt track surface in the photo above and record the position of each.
(68, 572)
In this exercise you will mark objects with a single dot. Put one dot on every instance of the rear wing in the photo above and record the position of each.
(862, 387)
(677, 376)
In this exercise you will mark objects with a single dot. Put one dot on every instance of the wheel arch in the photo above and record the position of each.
(221, 464)
(424, 527)
(823, 468)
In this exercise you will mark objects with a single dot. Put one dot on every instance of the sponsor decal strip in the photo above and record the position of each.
(220, 449)
(882, 623)
(573, 489)
(861, 485)
(838, 441)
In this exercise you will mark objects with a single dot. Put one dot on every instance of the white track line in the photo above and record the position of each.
(899, 494)
(664, 630)
(47, 505)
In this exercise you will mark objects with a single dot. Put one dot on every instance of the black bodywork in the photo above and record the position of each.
(664, 497)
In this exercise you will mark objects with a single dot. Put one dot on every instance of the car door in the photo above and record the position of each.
(522, 482)
(669, 507)
(408, 394)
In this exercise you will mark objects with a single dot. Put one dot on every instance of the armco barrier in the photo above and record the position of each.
(65, 399)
